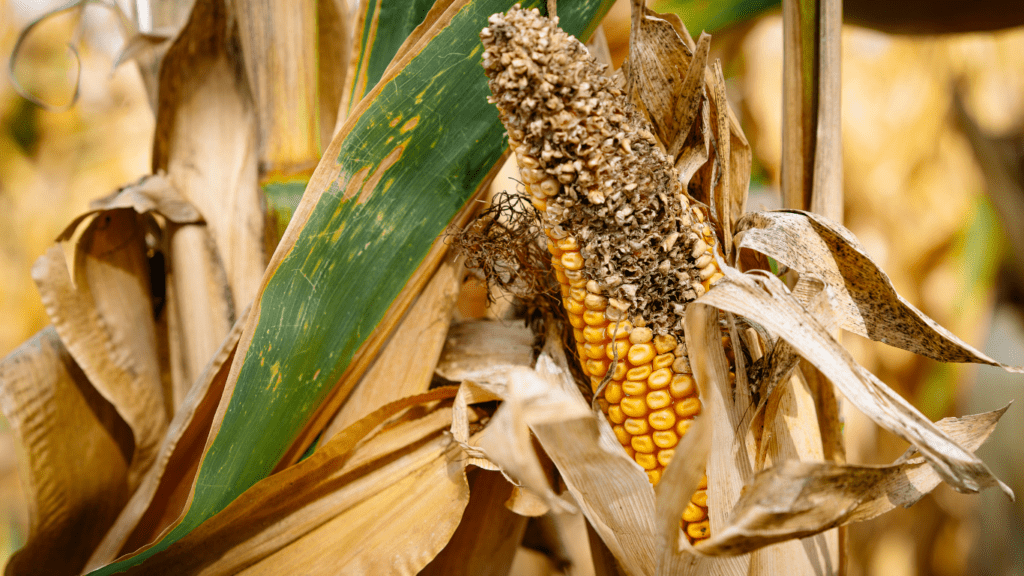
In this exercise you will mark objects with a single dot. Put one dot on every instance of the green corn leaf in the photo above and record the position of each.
(409, 157)
(712, 15)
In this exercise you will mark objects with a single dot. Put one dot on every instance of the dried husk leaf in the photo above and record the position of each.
(161, 496)
(487, 538)
(206, 140)
(864, 298)
(769, 304)
(485, 350)
(107, 324)
(348, 508)
(405, 366)
(151, 194)
(74, 457)
(795, 499)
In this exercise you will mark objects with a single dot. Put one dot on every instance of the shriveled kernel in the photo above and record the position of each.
(641, 335)
(634, 407)
(619, 349)
(665, 456)
(549, 186)
(615, 414)
(699, 530)
(568, 243)
(694, 513)
(688, 408)
(659, 399)
(700, 498)
(645, 460)
(665, 343)
(595, 302)
(659, 379)
(641, 373)
(663, 419)
(654, 476)
(593, 334)
(665, 439)
(634, 388)
(683, 426)
(682, 386)
(681, 365)
(578, 294)
(621, 434)
(664, 360)
(640, 353)
(594, 351)
(572, 260)
(636, 426)
(613, 393)
(703, 484)
(594, 318)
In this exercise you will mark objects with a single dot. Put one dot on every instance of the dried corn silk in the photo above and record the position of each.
(628, 247)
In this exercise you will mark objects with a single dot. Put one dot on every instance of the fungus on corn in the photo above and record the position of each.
(628, 247)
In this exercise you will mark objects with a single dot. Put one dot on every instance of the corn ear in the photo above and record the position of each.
(627, 245)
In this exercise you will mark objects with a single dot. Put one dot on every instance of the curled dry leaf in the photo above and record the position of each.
(866, 302)
(75, 455)
(796, 499)
(106, 321)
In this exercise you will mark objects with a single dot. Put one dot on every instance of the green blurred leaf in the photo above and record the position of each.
(712, 15)
(412, 154)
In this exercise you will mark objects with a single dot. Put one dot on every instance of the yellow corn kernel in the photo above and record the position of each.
(659, 379)
(594, 351)
(574, 306)
(595, 301)
(654, 476)
(576, 320)
(703, 484)
(699, 530)
(572, 260)
(694, 513)
(636, 426)
(640, 373)
(578, 294)
(665, 456)
(594, 318)
(619, 330)
(615, 414)
(642, 444)
(634, 407)
(640, 354)
(646, 461)
(641, 335)
(634, 388)
(597, 367)
(621, 434)
(613, 393)
(577, 336)
(568, 243)
(603, 405)
(665, 343)
(682, 427)
(663, 360)
(659, 399)
(687, 408)
(629, 451)
(682, 386)
(700, 498)
(665, 439)
(662, 419)
(620, 371)
(618, 350)
(592, 334)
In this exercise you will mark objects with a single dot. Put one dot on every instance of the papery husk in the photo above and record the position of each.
(485, 350)
(105, 319)
(164, 490)
(864, 298)
(373, 500)
(74, 456)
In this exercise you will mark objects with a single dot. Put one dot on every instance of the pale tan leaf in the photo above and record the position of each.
(484, 351)
(488, 536)
(74, 455)
(206, 142)
(796, 499)
(769, 304)
(371, 501)
(472, 393)
(334, 49)
(866, 302)
(406, 364)
(151, 194)
(107, 324)
(162, 495)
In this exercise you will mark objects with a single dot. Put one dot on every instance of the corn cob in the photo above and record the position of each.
(627, 246)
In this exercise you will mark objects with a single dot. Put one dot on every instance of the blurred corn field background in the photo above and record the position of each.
(915, 194)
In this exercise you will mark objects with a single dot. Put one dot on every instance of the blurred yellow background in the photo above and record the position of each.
(915, 196)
